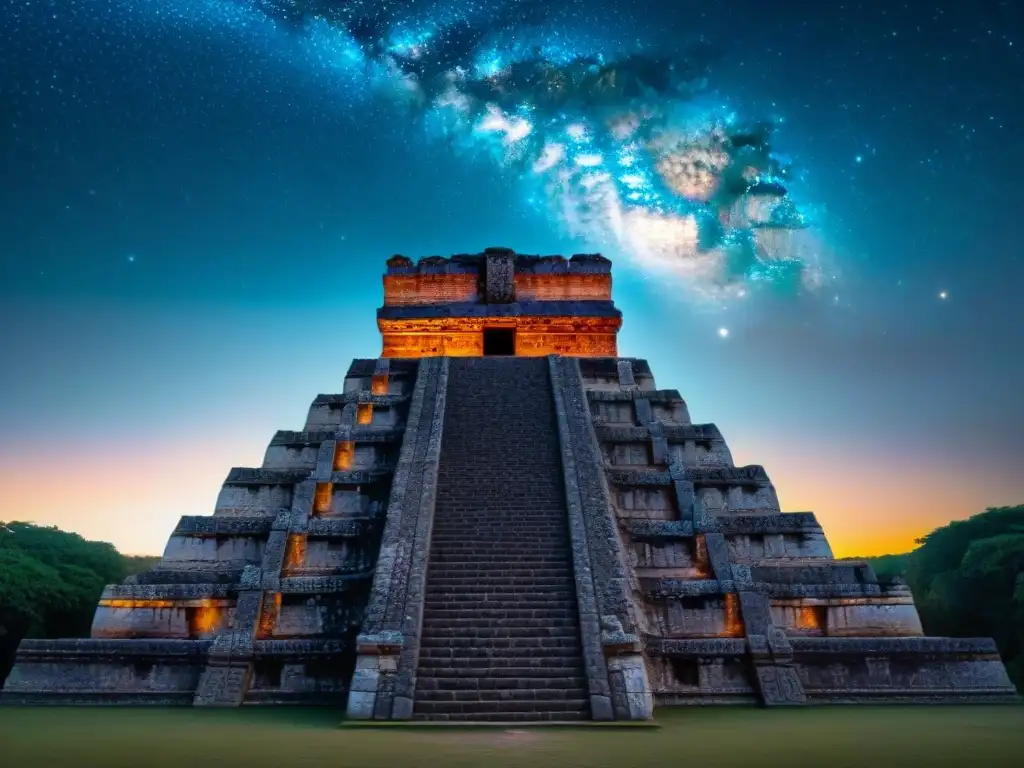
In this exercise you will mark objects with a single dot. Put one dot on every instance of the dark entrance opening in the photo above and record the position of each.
(499, 341)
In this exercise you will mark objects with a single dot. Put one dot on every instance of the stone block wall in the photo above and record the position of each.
(738, 602)
(260, 602)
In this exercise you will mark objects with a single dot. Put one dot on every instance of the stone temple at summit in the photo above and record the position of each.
(500, 519)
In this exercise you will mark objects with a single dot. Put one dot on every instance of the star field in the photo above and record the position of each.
(199, 196)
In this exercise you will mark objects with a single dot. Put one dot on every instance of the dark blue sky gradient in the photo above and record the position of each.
(195, 219)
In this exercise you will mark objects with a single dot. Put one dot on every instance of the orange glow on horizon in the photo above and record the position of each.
(108, 490)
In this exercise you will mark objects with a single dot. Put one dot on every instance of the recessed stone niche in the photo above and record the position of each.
(756, 546)
(705, 616)
(253, 499)
(290, 457)
(613, 412)
(646, 502)
(739, 500)
(674, 559)
(704, 454)
(627, 454)
(335, 500)
(207, 551)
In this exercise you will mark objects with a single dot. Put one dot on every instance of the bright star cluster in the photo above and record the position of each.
(629, 152)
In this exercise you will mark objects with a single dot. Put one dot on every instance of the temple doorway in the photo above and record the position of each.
(499, 341)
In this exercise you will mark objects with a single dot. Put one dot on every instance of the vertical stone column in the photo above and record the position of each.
(627, 381)
(225, 680)
(616, 672)
(499, 276)
(388, 645)
(770, 651)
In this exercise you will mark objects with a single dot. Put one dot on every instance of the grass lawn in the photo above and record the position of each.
(825, 737)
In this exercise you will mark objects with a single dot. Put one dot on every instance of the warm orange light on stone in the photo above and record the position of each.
(700, 556)
(364, 413)
(403, 290)
(563, 287)
(536, 336)
(295, 554)
(322, 498)
(811, 617)
(344, 452)
(139, 604)
(379, 384)
(733, 619)
(205, 619)
(269, 610)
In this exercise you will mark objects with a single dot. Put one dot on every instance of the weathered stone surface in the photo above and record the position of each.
(641, 530)
(167, 591)
(406, 539)
(195, 525)
(563, 541)
(602, 579)
(620, 433)
(352, 398)
(257, 476)
(651, 396)
(358, 434)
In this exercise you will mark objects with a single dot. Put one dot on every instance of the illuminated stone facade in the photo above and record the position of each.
(539, 305)
(516, 527)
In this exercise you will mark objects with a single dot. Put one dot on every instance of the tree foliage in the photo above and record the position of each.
(50, 581)
(968, 581)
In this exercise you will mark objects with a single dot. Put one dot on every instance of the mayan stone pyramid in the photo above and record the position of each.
(502, 520)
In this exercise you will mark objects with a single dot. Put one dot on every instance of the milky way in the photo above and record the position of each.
(627, 149)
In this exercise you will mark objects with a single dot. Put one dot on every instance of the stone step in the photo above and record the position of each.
(485, 534)
(510, 547)
(478, 710)
(466, 550)
(548, 716)
(498, 562)
(444, 571)
(440, 666)
(442, 629)
(484, 514)
(556, 655)
(490, 520)
(471, 619)
(501, 591)
(502, 645)
(486, 556)
(500, 637)
(529, 582)
(559, 670)
(495, 616)
(455, 602)
(564, 692)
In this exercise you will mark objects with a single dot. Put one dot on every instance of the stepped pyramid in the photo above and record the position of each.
(502, 520)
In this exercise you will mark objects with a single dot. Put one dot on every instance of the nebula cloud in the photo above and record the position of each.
(629, 153)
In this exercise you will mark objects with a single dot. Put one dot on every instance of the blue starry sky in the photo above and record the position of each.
(198, 198)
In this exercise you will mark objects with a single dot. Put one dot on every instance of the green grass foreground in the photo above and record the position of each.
(828, 736)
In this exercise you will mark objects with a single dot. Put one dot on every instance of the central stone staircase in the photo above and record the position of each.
(500, 639)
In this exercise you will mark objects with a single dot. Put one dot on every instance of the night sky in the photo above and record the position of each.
(199, 196)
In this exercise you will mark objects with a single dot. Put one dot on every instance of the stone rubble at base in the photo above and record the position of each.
(389, 559)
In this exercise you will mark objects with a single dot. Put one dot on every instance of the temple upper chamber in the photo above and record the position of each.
(499, 303)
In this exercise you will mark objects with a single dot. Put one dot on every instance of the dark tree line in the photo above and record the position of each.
(968, 581)
(50, 582)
